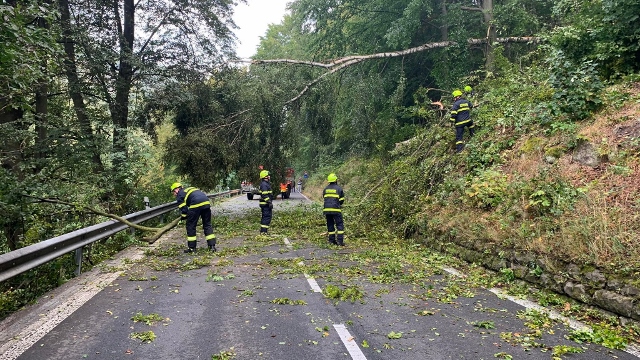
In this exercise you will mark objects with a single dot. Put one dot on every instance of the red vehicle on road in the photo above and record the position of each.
(288, 175)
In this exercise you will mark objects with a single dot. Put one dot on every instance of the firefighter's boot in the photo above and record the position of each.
(212, 245)
(191, 247)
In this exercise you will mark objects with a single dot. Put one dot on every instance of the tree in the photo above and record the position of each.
(176, 38)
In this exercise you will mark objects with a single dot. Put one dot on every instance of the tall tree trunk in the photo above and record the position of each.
(75, 84)
(120, 107)
(42, 103)
(42, 88)
(444, 29)
(487, 12)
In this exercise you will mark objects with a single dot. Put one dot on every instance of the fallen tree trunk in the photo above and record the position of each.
(157, 231)
(151, 239)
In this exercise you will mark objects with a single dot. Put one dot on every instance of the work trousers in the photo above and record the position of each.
(335, 226)
(193, 215)
(460, 133)
(265, 220)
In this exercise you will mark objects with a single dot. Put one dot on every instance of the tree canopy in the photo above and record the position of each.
(101, 94)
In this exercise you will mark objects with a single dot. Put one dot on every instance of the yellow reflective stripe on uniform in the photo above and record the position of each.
(340, 232)
(192, 238)
(463, 122)
(331, 209)
(331, 195)
(265, 192)
(264, 226)
(332, 232)
(199, 205)
(209, 237)
(188, 191)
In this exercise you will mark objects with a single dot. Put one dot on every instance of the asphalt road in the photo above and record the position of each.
(251, 301)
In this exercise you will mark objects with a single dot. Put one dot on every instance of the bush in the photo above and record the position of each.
(486, 190)
(547, 194)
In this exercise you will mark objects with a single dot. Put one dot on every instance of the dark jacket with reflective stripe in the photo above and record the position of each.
(460, 112)
(333, 198)
(266, 195)
(191, 198)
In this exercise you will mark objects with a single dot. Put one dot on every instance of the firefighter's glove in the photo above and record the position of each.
(270, 205)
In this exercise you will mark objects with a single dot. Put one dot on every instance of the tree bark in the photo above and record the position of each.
(42, 104)
(120, 107)
(444, 29)
(487, 13)
(75, 84)
(41, 118)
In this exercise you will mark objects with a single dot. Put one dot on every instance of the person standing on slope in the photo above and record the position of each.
(461, 118)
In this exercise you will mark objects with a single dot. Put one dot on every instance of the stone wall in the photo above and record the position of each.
(584, 283)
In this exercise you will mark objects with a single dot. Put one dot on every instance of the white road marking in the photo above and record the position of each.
(313, 283)
(306, 198)
(349, 342)
(31, 334)
(574, 324)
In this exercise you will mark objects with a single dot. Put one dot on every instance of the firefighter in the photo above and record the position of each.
(333, 200)
(194, 204)
(468, 91)
(266, 202)
(461, 118)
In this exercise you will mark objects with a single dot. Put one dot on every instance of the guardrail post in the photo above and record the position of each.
(146, 203)
(79, 260)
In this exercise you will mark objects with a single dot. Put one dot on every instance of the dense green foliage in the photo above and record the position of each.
(102, 108)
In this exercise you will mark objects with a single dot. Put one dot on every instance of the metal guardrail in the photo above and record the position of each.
(19, 261)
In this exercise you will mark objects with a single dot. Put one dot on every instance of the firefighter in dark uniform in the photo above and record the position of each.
(194, 204)
(266, 202)
(333, 199)
(461, 118)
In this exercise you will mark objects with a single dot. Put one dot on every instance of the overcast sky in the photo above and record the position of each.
(253, 19)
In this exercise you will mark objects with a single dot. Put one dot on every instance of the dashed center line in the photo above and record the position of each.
(312, 282)
(346, 338)
(349, 342)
